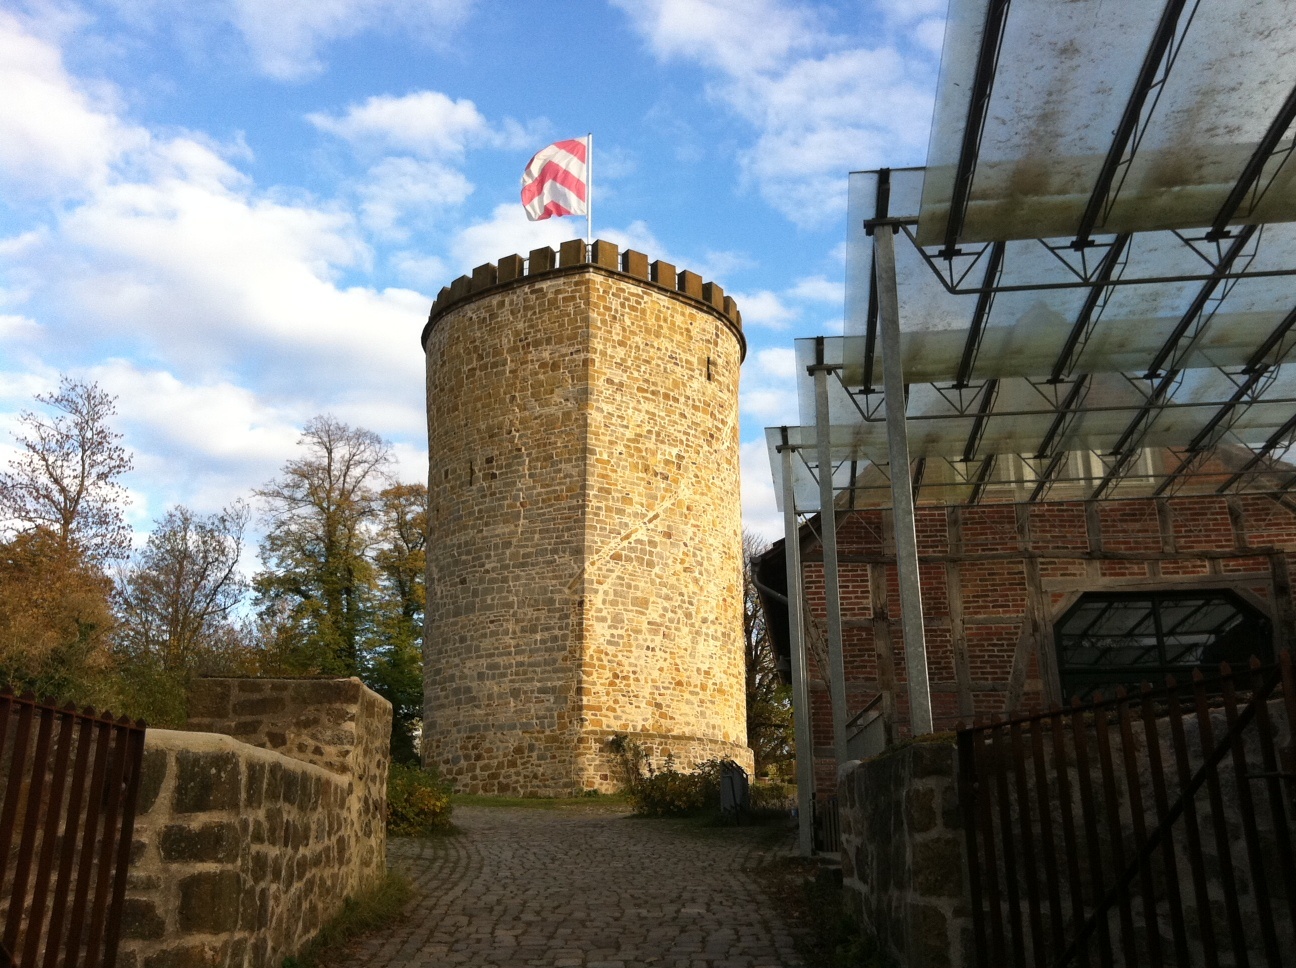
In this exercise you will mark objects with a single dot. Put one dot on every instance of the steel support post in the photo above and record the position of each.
(836, 670)
(906, 539)
(796, 638)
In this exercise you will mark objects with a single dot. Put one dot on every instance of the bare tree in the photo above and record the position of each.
(769, 704)
(177, 599)
(321, 512)
(65, 477)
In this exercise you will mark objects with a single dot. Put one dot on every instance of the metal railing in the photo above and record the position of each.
(68, 784)
(1154, 829)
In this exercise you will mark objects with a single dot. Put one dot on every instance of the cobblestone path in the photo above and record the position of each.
(582, 887)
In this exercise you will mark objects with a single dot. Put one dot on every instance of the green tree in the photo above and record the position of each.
(769, 698)
(394, 658)
(318, 580)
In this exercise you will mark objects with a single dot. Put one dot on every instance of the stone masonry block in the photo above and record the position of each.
(572, 253)
(510, 268)
(211, 955)
(259, 706)
(634, 263)
(210, 843)
(662, 273)
(929, 942)
(921, 814)
(714, 295)
(540, 260)
(209, 902)
(206, 781)
(153, 772)
(938, 867)
(689, 283)
(210, 700)
(933, 759)
(140, 919)
(604, 254)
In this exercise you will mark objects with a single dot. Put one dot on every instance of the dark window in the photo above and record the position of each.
(1110, 639)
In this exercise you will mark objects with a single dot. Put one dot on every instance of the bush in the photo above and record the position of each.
(418, 803)
(665, 792)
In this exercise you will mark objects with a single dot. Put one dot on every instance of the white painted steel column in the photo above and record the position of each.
(906, 539)
(832, 589)
(800, 687)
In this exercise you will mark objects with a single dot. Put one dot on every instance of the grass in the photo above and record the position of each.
(541, 803)
(364, 914)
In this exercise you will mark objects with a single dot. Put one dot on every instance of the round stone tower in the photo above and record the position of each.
(584, 534)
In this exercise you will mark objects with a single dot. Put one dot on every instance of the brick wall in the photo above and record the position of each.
(584, 554)
(242, 852)
(995, 578)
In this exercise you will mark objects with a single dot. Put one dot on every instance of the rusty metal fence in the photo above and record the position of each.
(68, 781)
(1147, 830)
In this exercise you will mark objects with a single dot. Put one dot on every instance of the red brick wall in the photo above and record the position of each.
(1001, 661)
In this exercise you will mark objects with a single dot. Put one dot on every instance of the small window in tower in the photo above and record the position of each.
(709, 376)
(1110, 639)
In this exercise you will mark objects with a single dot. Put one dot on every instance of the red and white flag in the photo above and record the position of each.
(556, 180)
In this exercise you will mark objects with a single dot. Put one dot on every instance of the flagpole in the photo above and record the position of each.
(589, 187)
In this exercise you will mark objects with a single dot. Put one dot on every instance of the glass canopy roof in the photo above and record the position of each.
(1096, 274)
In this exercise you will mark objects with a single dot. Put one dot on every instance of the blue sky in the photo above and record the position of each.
(233, 214)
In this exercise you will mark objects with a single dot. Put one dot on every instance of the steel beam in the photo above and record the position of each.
(979, 316)
(1080, 326)
(978, 105)
(1255, 166)
(1276, 438)
(1199, 301)
(906, 539)
(881, 207)
(988, 394)
(1124, 133)
(836, 670)
(800, 683)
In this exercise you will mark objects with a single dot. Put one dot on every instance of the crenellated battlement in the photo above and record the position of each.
(575, 255)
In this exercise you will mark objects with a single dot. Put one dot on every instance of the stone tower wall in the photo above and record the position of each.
(584, 535)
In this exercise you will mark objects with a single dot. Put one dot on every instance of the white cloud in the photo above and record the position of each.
(397, 187)
(54, 137)
(768, 393)
(428, 124)
(765, 308)
(760, 512)
(508, 231)
(16, 328)
(820, 104)
(286, 36)
(818, 289)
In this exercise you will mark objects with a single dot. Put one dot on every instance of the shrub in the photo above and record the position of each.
(418, 803)
(665, 792)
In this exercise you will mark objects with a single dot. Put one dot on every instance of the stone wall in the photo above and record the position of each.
(338, 724)
(902, 852)
(242, 853)
(584, 553)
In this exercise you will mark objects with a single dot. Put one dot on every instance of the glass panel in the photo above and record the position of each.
(1109, 638)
